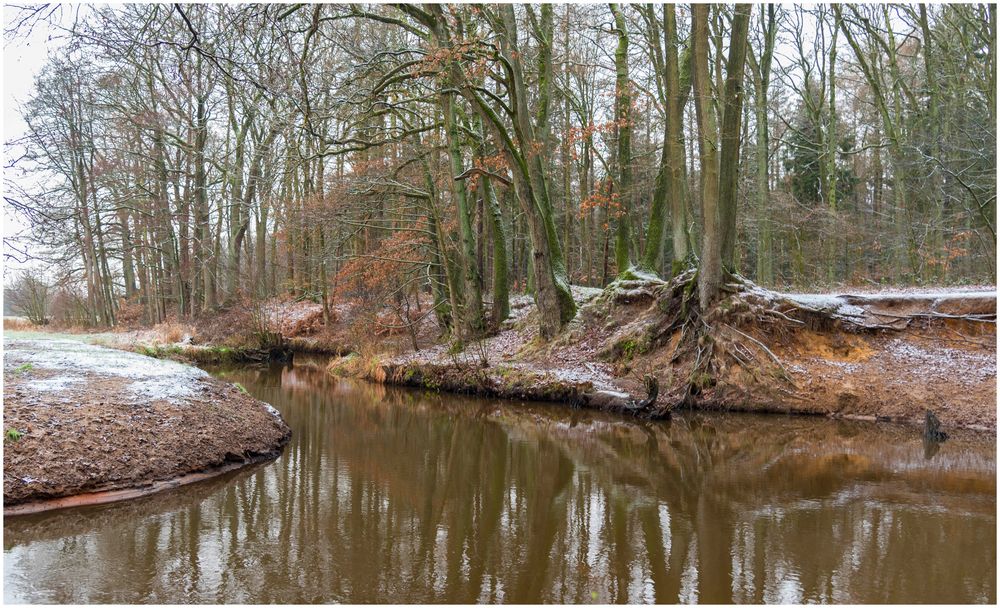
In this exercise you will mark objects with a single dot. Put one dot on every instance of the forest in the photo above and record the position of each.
(179, 160)
(500, 303)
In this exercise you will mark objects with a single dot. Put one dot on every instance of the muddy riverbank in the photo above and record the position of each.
(98, 424)
(879, 357)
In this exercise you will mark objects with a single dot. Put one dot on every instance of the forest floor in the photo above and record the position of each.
(85, 425)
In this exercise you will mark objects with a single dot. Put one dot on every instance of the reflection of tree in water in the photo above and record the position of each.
(389, 495)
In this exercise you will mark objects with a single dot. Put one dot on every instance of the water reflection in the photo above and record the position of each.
(387, 495)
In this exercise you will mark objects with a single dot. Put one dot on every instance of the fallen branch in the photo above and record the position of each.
(760, 344)
(978, 318)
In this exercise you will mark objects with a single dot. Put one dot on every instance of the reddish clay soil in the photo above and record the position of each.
(903, 354)
(96, 420)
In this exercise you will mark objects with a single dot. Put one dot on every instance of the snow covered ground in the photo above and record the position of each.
(75, 362)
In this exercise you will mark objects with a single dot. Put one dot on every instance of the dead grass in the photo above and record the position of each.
(19, 324)
(171, 332)
(367, 366)
(22, 324)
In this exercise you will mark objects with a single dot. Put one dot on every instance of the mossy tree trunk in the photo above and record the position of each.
(729, 167)
(471, 313)
(623, 127)
(719, 183)
(711, 259)
(670, 187)
(501, 290)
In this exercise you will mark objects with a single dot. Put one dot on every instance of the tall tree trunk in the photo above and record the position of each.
(729, 169)
(830, 154)
(761, 73)
(203, 228)
(670, 178)
(472, 311)
(501, 292)
(128, 254)
(238, 213)
(623, 127)
(710, 273)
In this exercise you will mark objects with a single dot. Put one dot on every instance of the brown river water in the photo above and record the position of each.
(392, 495)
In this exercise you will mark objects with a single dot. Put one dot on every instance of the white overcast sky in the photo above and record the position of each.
(23, 58)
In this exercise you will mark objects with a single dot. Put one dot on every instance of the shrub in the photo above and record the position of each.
(69, 308)
(171, 332)
(29, 296)
(131, 313)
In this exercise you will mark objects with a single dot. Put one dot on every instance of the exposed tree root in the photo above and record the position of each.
(723, 349)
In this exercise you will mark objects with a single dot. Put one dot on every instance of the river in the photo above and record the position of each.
(393, 495)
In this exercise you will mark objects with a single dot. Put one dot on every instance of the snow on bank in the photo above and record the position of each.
(834, 304)
(100, 423)
(932, 297)
(858, 306)
(74, 362)
(961, 365)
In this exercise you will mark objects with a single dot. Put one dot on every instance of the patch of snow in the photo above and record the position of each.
(152, 378)
(271, 410)
(645, 276)
(844, 365)
(159, 388)
(832, 303)
(618, 395)
(582, 295)
(929, 295)
(798, 369)
(55, 384)
(950, 361)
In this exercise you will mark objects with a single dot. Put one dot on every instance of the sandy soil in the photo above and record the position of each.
(93, 419)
